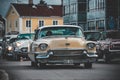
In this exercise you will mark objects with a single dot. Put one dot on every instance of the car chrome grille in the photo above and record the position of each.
(25, 49)
(67, 52)
(115, 47)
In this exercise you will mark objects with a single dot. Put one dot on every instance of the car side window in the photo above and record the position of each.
(103, 36)
(49, 33)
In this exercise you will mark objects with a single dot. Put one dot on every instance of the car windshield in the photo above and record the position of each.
(25, 36)
(12, 40)
(94, 36)
(113, 35)
(60, 31)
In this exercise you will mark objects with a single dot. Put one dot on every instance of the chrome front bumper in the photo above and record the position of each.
(68, 57)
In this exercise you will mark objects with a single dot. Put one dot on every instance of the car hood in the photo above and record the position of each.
(24, 43)
(66, 42)
(114, 40)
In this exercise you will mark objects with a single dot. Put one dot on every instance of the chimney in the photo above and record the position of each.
(62, 2)
(30, 1)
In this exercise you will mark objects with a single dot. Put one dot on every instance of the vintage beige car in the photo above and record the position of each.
(61, 44)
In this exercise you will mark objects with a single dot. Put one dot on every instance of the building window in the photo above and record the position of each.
(82, 7)
(91, 25)
(66, 10)
(13, 12)
(100, 24)
(41, 23)
(95, 4)
(101, 4)
(55, 22)
(73, 8)
(28, 23)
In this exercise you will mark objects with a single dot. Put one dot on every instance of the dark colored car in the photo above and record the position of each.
(9, 48)
(108, 44)
(93, 35)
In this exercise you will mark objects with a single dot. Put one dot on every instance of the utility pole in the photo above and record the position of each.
(118, 15)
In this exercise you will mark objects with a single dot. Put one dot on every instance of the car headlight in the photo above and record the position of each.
(18, 44)
(43, 46)
(0, 48)
(10, 48)
(91, 45)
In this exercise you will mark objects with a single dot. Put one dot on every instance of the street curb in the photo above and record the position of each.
(3, 75)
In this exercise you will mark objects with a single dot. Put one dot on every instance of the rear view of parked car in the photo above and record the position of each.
(61, 44)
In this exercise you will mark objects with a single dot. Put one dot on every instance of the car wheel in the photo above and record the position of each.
(34, 64)
(88, 65)
(106, 58)
(77, 64)
(42, 65)
(15, 57)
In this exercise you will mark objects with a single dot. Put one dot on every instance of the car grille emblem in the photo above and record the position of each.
(67, 44)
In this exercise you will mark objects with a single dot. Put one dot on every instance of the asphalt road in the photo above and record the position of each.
(23, 71)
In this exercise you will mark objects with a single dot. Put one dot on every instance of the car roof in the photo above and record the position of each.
(60, 26)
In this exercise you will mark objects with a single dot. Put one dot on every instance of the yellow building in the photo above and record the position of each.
(25, 18)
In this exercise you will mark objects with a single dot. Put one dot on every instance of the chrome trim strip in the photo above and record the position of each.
(68, 49)
(47, 56)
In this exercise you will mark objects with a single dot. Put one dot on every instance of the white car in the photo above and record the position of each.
(61, 44)
(21, 45)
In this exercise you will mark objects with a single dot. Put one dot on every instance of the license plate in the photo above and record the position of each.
(68, 61)
(24, 50)
(10, 54)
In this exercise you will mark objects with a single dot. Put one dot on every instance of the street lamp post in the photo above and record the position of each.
(30, 21)
(32, 6)
(118, 14)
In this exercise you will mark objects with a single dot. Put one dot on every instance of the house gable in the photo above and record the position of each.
(11, 11)
(12, 17)
(22, 13)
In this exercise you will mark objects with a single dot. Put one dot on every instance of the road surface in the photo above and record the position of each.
(23, 71)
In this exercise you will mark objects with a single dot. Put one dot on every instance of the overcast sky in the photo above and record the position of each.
(4, 4)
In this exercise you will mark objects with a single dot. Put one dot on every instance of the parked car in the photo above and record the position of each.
(61, 44)
(93, 35)
(5, 42)
(97, 37)
(9, 49)
(20, 46)
(108, 44)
